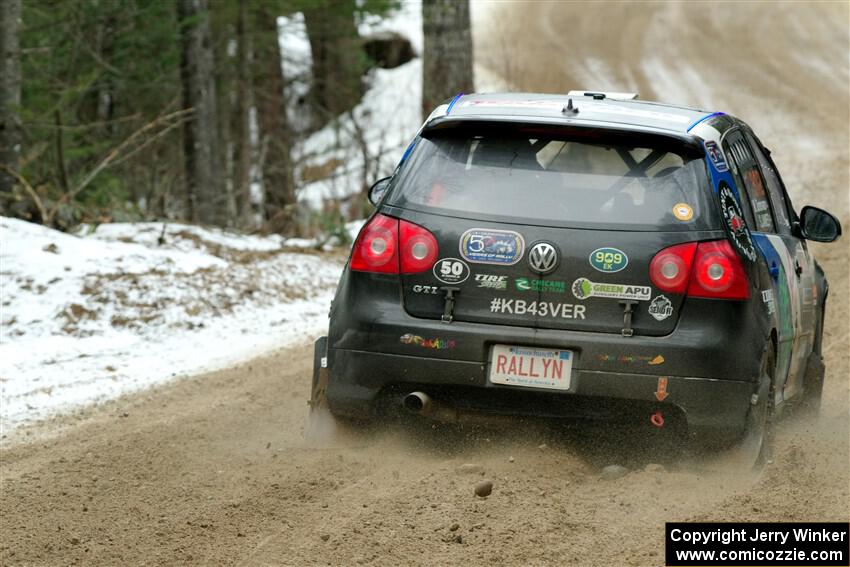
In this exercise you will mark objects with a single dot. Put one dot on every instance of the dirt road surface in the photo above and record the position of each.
(214, 469)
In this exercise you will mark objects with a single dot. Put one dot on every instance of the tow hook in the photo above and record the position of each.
(628, 310)
(657, 419)
(448, 310)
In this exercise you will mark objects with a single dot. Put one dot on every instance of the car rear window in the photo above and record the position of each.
(559, 177)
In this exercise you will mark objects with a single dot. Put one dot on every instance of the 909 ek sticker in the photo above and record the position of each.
(608, 260)
(491, 246)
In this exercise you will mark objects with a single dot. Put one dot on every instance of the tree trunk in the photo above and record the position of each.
(338, 58)
(275, 136)
(207, 201)
(447, 52)
(241, 117)
(10, 94)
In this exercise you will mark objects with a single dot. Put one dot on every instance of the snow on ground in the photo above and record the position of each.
(110, 310)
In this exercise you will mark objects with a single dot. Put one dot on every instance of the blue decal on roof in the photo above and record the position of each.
(452, 103)
(704, 118)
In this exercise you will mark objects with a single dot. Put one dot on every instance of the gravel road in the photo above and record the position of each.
(214, 469)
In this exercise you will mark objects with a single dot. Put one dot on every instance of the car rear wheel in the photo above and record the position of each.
(815, 372)
(754, 449)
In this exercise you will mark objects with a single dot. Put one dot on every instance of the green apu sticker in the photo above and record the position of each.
(608, 260)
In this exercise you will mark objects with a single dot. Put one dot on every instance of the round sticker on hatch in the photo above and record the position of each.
(683, 211)
(451, 271)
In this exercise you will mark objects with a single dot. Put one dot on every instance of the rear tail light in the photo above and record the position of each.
(418, 248)
(391, 246)
(704, 269)
(376, 248)
(718, 272)
(670, 269)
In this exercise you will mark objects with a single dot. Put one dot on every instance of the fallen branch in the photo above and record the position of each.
(39, 204)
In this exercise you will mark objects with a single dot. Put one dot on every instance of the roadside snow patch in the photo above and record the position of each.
(88, 317)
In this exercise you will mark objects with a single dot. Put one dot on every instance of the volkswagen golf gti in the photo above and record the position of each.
(586, 256)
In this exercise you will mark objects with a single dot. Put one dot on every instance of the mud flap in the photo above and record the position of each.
(318, 397)
(813, 383)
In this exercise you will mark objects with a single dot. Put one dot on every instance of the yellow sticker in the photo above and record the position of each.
(683, 211)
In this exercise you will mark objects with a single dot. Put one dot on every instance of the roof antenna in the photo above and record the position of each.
(569, 108)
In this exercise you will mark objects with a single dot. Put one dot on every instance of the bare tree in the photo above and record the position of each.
(338, 58)
(241, 117)
(275, 135)
(447, 56)
(207, 201)
(10, 94)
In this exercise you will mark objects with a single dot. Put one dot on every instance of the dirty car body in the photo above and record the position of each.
(582, 257)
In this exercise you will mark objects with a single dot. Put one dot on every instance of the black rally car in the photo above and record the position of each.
(582, 256)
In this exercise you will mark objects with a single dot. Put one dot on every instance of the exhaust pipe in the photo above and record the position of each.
(419, 403)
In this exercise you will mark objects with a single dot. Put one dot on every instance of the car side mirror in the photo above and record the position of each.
(378, 190)
(818, 225)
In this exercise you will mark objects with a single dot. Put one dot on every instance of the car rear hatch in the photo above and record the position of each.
(550, 227)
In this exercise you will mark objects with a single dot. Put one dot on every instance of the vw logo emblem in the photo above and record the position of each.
(543, 258)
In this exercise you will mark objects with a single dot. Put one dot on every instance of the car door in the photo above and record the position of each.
(782, 295)
(804, 308)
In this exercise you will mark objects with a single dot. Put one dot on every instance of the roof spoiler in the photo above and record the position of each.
(599, 95)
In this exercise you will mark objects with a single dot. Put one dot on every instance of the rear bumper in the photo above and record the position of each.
(363, 384)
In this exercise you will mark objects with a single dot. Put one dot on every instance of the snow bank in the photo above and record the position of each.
(91, 316)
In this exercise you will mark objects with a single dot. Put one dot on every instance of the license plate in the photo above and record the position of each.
(531, 367)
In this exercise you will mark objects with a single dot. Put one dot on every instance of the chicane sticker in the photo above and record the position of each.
(539, 308)
(608, 260)
(451, 270)
(716, 156)
(683, 211)
(660, 308)
(491, 246)
(491, 281)
(734, 219)
(584, 288)
(527, 284)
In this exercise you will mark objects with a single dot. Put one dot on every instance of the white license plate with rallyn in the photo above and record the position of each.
(531, 367)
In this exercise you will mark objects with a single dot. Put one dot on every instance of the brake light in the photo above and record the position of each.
(418, 248)
(704, 269)
(387, 245)
(376, 247)
(718, 272)
(670, 268)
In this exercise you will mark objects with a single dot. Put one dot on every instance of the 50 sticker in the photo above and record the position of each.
(608, 260)
(451, 270)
